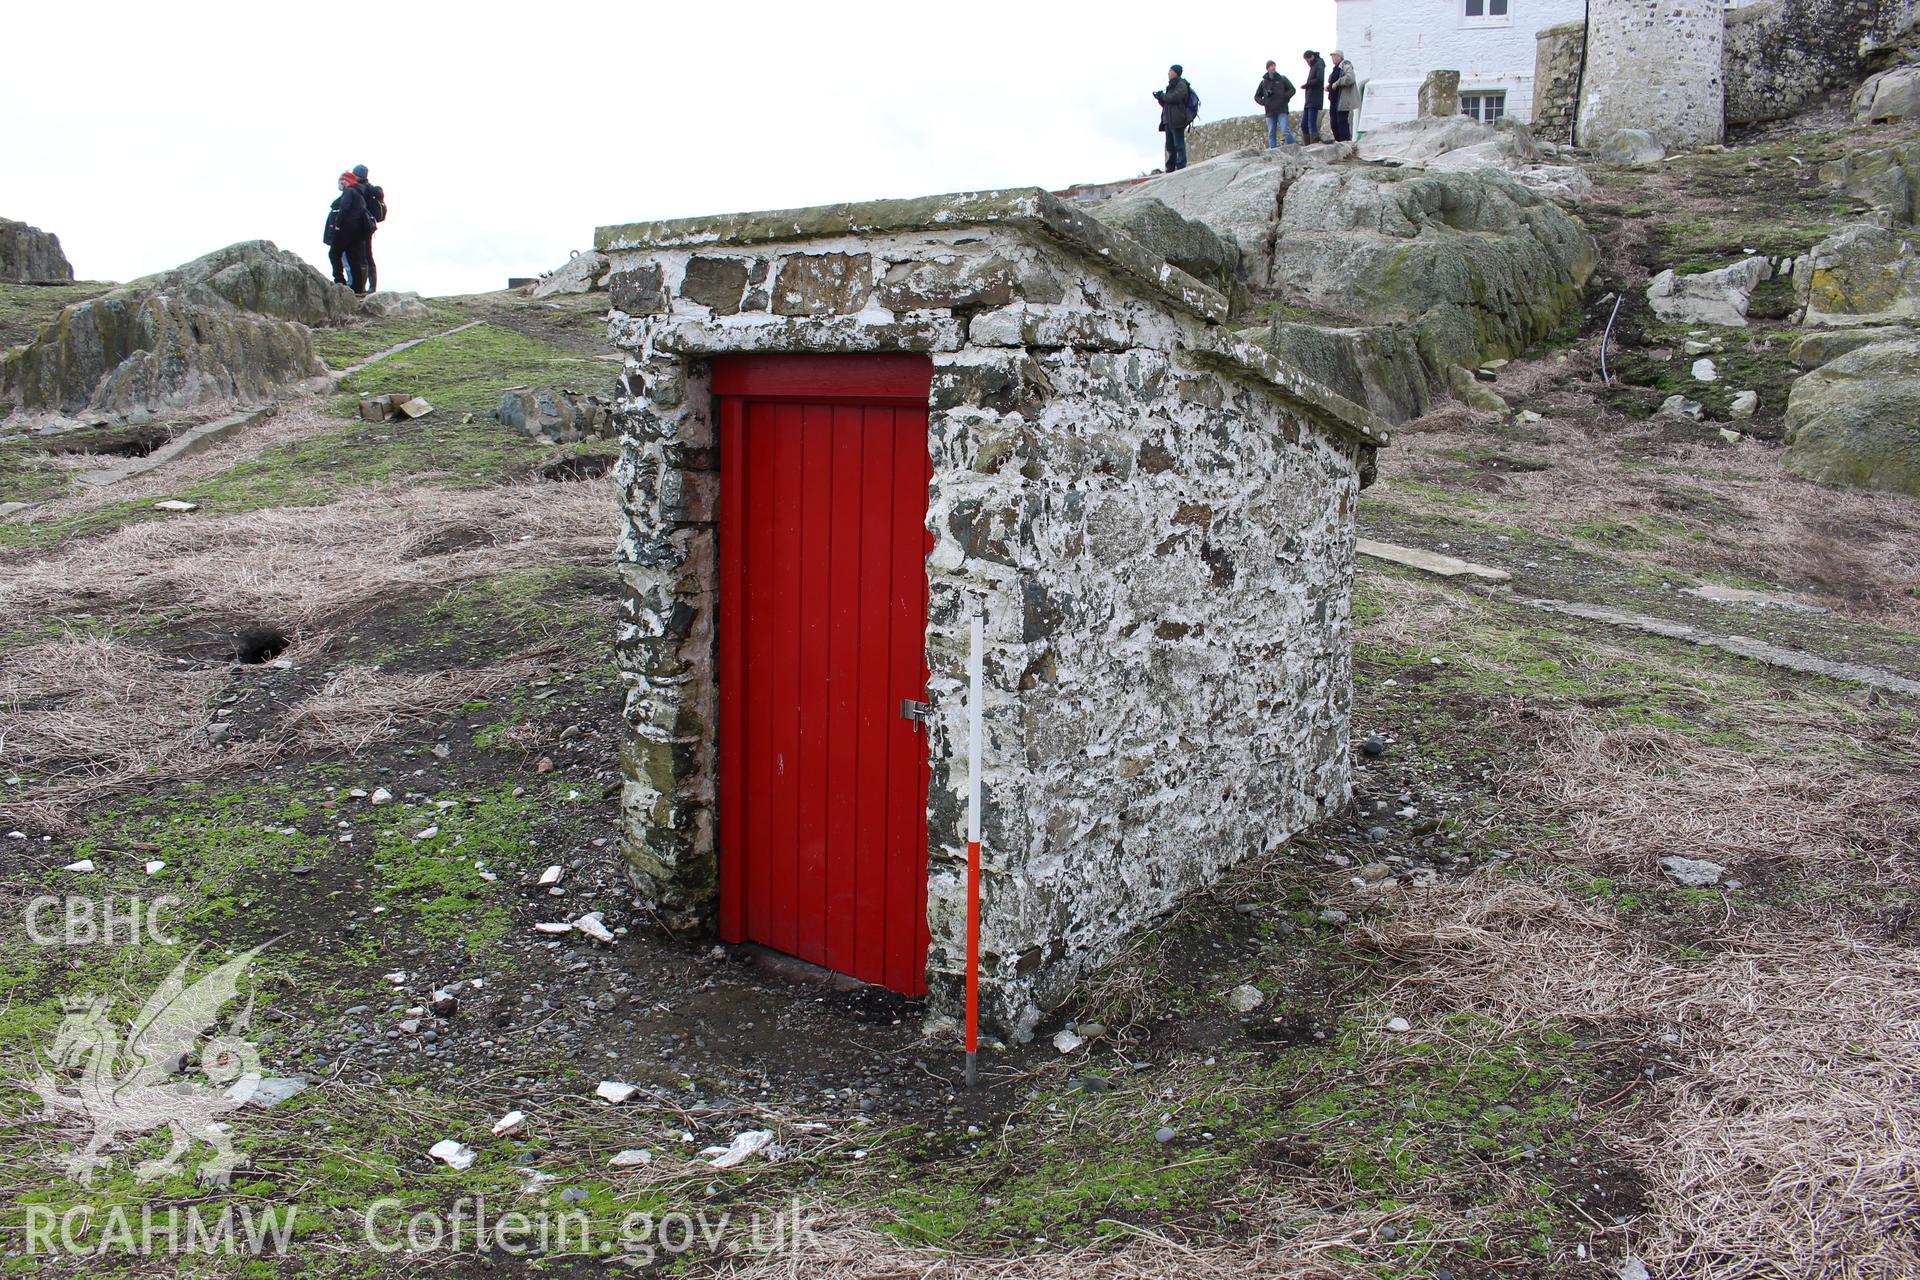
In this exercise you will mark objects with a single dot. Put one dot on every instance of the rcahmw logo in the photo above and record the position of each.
(176, 1067)
(145, 1230)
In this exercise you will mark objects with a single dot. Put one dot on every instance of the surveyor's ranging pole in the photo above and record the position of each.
(973, 850)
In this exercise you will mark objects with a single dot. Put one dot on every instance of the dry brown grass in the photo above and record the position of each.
(1731, 511)
(1789, 1143)
(89, 717)
(295, 567)
(842, 1246)
(363, 705)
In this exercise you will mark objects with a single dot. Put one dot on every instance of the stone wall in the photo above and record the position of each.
(1654, 65)
(1218, 137)
(1156, 518)
(1556, 79)
(1783, 56)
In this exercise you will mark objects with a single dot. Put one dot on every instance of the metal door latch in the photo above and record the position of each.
(917, 711)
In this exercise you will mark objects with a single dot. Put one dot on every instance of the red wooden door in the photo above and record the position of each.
(822, 621)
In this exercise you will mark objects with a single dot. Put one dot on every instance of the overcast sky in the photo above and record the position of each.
(147, 134)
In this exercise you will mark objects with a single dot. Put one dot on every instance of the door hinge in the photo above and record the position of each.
(917, 711)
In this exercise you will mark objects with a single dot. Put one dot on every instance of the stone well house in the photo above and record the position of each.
(848, 428)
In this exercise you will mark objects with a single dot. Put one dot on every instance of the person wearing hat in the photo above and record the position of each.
(1176, 113)
(1315, 89)
(1274, 94)
(348, 227)
(1343, 95)
(376, 200)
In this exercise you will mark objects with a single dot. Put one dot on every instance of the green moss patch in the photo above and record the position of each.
(465, 372)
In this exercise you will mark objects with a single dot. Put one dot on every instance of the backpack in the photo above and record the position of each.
(376, 198)
(1193, 101)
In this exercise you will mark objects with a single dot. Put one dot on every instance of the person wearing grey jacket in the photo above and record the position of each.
(1343, 94)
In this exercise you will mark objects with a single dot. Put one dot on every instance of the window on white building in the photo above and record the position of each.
(1485, 8)
(1484, 107)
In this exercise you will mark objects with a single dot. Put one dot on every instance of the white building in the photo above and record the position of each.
(1395, 43)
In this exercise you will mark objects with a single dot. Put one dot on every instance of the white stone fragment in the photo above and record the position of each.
(744, 1146)
(555, 926)
(1245, 998)
(551, 876)
(615, 1091)
(1694, 873)
(380, 796)
(592, 925)
(155, 867)
(1703, 371)
(510, 1123)
(1066, 1041)
(631, 1158)
(426, 833)
(452, 1153)
(1399, 1025)
(85, 864)
(174, 504)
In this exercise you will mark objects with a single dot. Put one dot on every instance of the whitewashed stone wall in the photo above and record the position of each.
(1157, 520)
(1654, 65)
(1403, 40)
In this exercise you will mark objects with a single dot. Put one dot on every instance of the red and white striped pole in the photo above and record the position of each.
(973, 847)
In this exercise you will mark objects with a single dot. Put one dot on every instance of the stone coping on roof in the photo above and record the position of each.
(1032, 211)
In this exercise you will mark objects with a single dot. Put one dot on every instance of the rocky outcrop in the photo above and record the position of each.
(1478, 265)
(1856, 419)
(1238, 196)
(257, 276)
(1378, 366)
(1192, 246)
(1862, 274)
(1886, 177)
(582, 273)
(229, 326)
(1458, 143)
(28, 254)
(1890, 95)
(1708, 297)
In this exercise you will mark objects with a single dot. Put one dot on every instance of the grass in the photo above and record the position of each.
(465, 372)
(351, 344)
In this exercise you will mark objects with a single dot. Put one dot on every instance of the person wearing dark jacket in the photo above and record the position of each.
(376, 199)
(348, 228)
(1343, 94)
(1274, 95)
(1176, 113)
(1313, 89)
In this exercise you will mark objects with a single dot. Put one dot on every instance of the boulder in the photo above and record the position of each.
(1238, 195)
(387, 305)
(1472, 392)
(1856, 419)
(1478, 265)
(28, 254)
(1192, 246)
(1630, 147)
(1862, 274)
(557, 415)
(257, 276)
(581, 273)
(1887, 178)
(1893, 94)
(1449, 142)
(1378, 367)
(223, 327)
(1811, 350)
(1708, 297)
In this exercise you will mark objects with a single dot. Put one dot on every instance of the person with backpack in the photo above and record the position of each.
(348, 227)
(1179, 104)
(1343, 94)
(1315, 89)
(1273, 95)
(376, 198)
